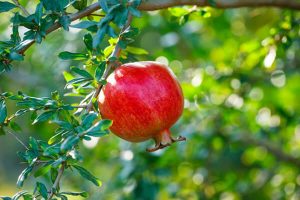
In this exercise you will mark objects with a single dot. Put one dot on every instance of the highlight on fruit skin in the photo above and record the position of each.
(143, 99)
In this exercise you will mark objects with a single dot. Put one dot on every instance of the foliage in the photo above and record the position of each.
(238, 70)
(61, 152)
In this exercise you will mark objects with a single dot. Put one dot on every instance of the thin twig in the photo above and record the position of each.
(21, 7)
(18, 139)
(57, 180)
(98, 15)
(116, 53)
(80, 106)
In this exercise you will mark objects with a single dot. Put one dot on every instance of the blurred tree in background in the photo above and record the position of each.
(239, 70)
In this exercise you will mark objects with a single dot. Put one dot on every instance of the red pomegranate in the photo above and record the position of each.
(144, 100)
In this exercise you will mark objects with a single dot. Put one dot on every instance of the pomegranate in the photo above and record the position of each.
(144, 100)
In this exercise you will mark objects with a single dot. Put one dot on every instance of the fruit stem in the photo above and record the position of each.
(164, 139)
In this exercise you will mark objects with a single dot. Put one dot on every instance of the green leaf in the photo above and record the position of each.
(65, 22)
(6, 6)
(44, 116)
(77, 81)
(24, 174)
(18, 195)
(80, 4)
(88, 119)
(14, 126)
(59, 161)
(63, 124)
(84, 24)
(21, 112)
(136, 3)
(69, 143)
(99, 36)
(82, 194)
(68, 76)
(42, 170)
(62, 197)
(134, 11)
(33, 115)
(97, 134)
(33, 143)
(16, 97)
(103, 5)
(38, 38)
(81, 72)
(88, 41)
(38, 13)
(2, 68)
(87, 175)
(100, 70)
(136, 50)
(122, 44)
(2, 132)
(15, 56)
(53, 174)
(178, 11)
(54, 138)
(55, 96)
(28, 156)
(72, 56)
(5, 198)
(42, 189)
(120, 14)
(99, 129)
(28, 197)
(3, 111)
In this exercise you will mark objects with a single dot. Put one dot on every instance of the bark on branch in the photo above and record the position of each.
(149, 5)
(160, 4)
(271, 148)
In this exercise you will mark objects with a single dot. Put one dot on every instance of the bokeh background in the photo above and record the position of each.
(239, 70)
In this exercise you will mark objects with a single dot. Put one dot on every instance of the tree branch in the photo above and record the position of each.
(57, 180)
(274, 150)
(115, 53)
(21, 7)
(162, 4)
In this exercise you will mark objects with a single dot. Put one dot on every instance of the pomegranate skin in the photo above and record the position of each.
(144, 100)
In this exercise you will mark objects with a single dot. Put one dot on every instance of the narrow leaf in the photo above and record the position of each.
(15, 56)
(82, 194)
(72, 56)
(99, 36)
(18, 195)
(42, 170)
(99, 129)
(103, 5)
(14, 126)
(65, 22)
(99, 71)
(24, 174)
(69, 143)
(84, 24)
(87, 175)
(6, 6)
(42, 189)
(3, 111)
(81, 72)
(136, 50)
(134, 11)
(44, 116)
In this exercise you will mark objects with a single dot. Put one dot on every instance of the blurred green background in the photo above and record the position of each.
(239, 70)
